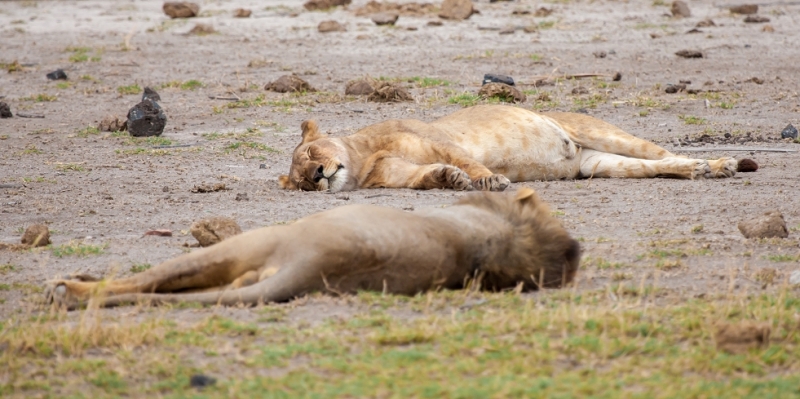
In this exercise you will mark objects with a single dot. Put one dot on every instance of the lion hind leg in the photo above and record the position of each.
(600, 164)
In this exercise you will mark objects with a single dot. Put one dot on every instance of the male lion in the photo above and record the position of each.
(483, 147)
(505, 240)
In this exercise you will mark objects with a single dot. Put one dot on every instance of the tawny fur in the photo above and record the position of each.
(485, 148)
(505, 239)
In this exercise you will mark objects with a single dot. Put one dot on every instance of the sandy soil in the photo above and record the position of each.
(104, 190)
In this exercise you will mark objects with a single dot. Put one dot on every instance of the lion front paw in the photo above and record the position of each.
(452, 177)
(721, 168)
(491, 183)
(58, 294)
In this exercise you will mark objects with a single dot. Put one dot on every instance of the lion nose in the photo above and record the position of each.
(318, 174)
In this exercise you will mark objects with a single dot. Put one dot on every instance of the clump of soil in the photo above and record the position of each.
(745, 9)
(408, 9)
(37, 235)
(503, 92)
(289, 84)
(209, 188)
(213, 230)
(680, 9)
(58, 74)
(768, 225)
(181, 9)
(747, 165)
(112, 123)
(330, 26)
(389, 92)
(738, 338)
(146, 119)
(689, 54)
(456, 9)
(314, 5)
(360, 87)
(202, 29)
(242, 13)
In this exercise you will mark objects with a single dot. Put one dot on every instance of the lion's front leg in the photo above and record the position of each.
(723, 167)
(394, 172)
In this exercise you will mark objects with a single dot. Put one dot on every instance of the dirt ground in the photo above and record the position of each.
(106, 190)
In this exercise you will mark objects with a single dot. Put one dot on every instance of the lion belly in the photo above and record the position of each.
(517, 143)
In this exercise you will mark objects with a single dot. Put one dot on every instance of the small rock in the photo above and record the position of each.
(794, 277)
(747, 165)
(580, 90)
(503, 92)
(543, 12)
(693, 30)
(789, 132)
(672, 89)
(182, 9)
(242, 197)
(739, 338)
(768, 225)
(745, 9)
(5, 110)
(159, 233)
(617, 77)
(201, 381)
(507, 31)
(289, 84)
(202, 30)
(755, 19)
(768, 28)
(384, 18)
(209, 188)
(112, 123)
(411, 28)
(37, 235)
(213, 230)
(756, 80)
(361, 87)
(457, 9)
(151, 94)
(330, 26)
(262, 166)
(389, 92)
(165, 189)
(242, 13)
(314, 5)
(530, 29)
(435, 23)
(680, 9)
(705, 23)
(600, 54)
(689, 54)
(146, 119)
(58, 74)
(495, 78)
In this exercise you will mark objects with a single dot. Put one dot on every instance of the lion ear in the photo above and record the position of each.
(527, 196)
(286, 183)
(310, 131)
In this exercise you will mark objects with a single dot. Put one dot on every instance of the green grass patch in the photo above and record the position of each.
(140, 267)
(129, 90)
(464, 99)
(783, 258)
(425, 82)
(7, 268)
(692, 120)
(258, 101)
(40, 98)
(70, 167)
(87, 131)
(77, 248)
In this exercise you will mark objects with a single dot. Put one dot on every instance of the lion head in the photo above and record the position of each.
(319, 163)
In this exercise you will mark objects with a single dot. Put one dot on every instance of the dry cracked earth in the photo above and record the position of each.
(106, 190)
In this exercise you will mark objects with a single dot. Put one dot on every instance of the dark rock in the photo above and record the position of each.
(705, 23)
(582, 111)
(5, 111)
(213, 230)
(361, 87)
(580, 90)
(58, 74)
(503, 92)
(262, 166)
(146, 119)
(689, 54)
(384, 18)
(494, 78)
(314, 5)
(330, 26)
(520, 12)
(789, 132)
(457, 9)
(617, 77)
(745, 9)
(755, 19)
(600, 54)
(680, 9)
(242, 197)
(694, 30)
(746, 165)
(389, 92)
(201, 381)
(151, 94)
(768, 225)
(672, 89)
(37, 235)
(181, 9)
(289, 84)
(242, 13)
(435, 23)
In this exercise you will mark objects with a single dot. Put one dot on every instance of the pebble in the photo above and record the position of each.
(185, 9)
(384, 18)
(789, 132)
(5, 110)
(146, 119)
(201, 381)
(58, 74)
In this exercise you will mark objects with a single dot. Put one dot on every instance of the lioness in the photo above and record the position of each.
(483, 147)
(505, 239)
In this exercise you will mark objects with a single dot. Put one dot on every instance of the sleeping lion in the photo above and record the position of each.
(503, 240)
(485, 147)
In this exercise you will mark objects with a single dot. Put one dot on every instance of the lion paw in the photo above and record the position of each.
(57, 294)
(452, 177)
(701, 169)
(721, 168)
(491, 183)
